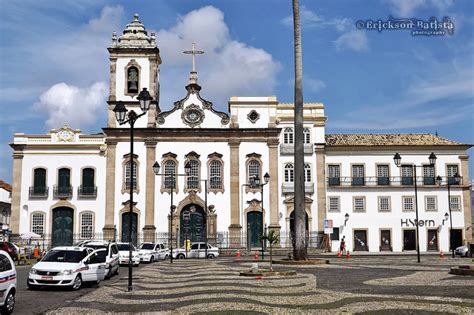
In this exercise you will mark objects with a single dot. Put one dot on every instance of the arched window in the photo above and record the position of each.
(132, 80)
(215, 174)
(88, 182)
(192, 178)
(39, 182)
(288, 136)
(307, 173)
(289, 173)
(306, 135)
(170, 173)
(253, 170)
(87, 225)
(37, 223)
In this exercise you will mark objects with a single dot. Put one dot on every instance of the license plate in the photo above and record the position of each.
(46, 277)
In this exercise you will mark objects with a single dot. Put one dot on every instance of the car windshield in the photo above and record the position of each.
(147, 246)
(67, 256)
(123, 247)
(100, 247)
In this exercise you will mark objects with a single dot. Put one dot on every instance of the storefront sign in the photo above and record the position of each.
(413, 222)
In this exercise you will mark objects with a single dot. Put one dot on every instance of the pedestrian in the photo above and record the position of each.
(342, 247)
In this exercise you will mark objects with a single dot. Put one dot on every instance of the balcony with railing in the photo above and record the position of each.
(87, 191)
(39, 192)
(289, 187)
(374, 181)
(289, 148)
(62, 191)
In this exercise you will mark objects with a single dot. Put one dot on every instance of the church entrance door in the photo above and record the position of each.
(192, 224)
(63, 225)
(254, 228)
(126, 227)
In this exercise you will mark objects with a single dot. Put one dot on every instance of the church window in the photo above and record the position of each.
(289, 173)
(87, 225)
(170, 172)
(307, 135)
(63, 189)
(253, 170)
(192, 178)
(129, 165)
(253, 116)
(39, 183)
(88, 182)
(288, 136)
(307, 173)
(37, 223)
(132, 80)
(215, 172)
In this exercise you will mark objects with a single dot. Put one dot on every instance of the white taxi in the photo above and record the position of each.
(197, 250)
(7, 283)
(151, 252)
(68, 267)
(124, 251)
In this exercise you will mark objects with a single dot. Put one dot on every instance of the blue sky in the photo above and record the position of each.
(54, 62)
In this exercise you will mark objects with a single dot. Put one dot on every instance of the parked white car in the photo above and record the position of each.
(68, 267)
(151, 252)
(7, 283)
(197, 250)
(124, 251)
(463, 251)
(111, 254)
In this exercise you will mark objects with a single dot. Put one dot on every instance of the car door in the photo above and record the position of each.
(95, 264)
(115, 256)
(194, 251)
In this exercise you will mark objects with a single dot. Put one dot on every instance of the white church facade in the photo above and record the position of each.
(70, 186)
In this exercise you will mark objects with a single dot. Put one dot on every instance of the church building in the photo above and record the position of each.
(226, 177)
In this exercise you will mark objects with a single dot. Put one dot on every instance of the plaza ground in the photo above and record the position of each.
(380, 284)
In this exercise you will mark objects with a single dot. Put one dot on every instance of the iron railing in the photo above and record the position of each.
(62, 191)
(87, 191)
(370, 181)
(39, 192)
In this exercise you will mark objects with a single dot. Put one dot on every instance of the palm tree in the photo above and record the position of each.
(299, 242)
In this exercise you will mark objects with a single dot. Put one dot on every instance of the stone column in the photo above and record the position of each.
(321, 184)
(154, 93)
(273, 183)
(109, 228)
(16, 190)
(235, 227)
(112, 92)
(149, 228)
(466, 196)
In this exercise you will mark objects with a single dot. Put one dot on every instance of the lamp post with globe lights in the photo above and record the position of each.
(123, 117)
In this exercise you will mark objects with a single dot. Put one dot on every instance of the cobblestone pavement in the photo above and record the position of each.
(212, 286)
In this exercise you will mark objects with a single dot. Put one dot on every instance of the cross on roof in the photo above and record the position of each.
(193, 52)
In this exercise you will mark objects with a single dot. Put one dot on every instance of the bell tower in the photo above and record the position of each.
(134, 64)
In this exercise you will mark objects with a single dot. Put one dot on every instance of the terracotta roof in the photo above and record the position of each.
(386, 139)
(5, 186)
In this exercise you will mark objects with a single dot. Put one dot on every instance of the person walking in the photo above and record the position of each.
(342, 246)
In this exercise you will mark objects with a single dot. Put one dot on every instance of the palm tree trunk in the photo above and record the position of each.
(299, 243)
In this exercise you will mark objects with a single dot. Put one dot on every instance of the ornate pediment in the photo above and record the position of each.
(65, 134)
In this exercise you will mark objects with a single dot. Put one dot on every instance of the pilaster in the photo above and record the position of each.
(273, 183)
(466, 196)
(16, 192)
(235, 227)
(109, 228)
(321, 183)
(149, 229)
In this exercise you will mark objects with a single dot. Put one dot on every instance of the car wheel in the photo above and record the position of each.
(117, 270)
(152, 259)
(9, 303)
(109, 273)
(77, 283)
(210, 256)
(180, 256)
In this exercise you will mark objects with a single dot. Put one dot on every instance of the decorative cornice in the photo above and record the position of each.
(215, 154)
(192, 154)
(169, 155)
(253, 155)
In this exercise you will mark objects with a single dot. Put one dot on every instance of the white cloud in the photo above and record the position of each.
(309, 19)
(65, 104)
(228, 67)
(353, 40)
(314, 85)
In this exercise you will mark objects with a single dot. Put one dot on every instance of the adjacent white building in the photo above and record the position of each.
(69, 186)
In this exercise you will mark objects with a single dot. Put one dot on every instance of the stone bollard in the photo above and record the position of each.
(254, 268)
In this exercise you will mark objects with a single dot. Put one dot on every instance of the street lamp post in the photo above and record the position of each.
(432, 159)
(121, 114)
(256, 182)
(457, 180)
(156, 170)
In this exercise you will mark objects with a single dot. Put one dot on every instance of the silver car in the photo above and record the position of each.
(463, 251)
